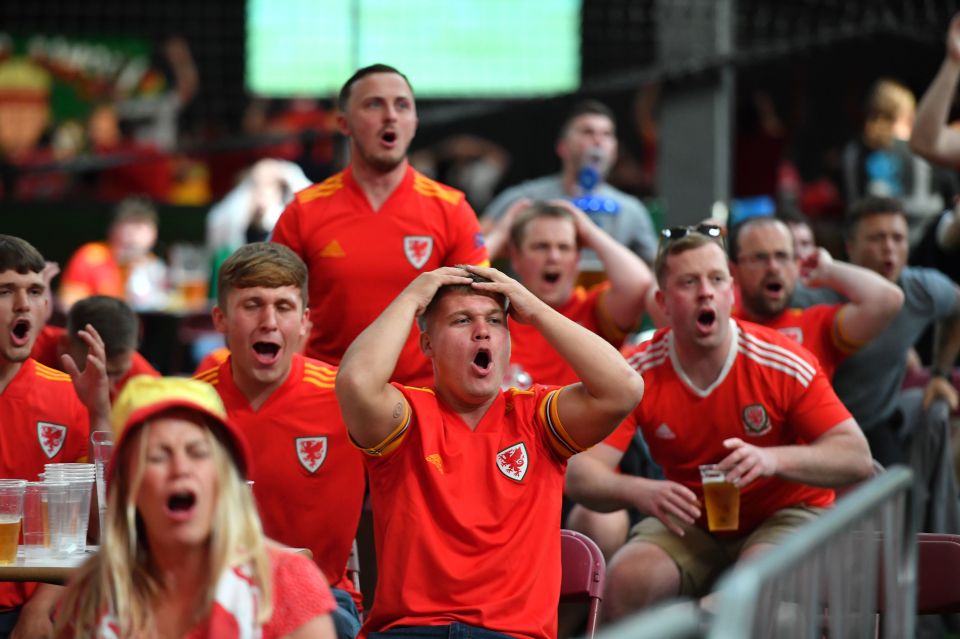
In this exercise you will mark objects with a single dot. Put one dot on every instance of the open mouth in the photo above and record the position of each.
(482, 360)
(181, 502)
(551, 278)
(20, 331)
(266, 352)
(706, 319)
(774, 287)
(389, 137)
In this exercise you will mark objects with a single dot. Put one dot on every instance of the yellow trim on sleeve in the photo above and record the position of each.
(559, 438)
(393, 440)
(840, 338)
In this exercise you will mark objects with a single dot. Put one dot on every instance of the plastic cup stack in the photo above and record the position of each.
(44, 514)
(80, 478)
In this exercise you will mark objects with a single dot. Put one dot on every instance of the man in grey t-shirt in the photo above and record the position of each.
(587, 147)
(869, 381)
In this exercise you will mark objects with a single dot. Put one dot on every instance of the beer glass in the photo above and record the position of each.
(11, 512)
(722, 499)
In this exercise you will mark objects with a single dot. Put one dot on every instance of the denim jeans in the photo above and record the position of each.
(346, 619)
(453, 631)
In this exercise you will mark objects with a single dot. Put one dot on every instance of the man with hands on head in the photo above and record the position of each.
(545, 240)
(466, 479)
(728, 392)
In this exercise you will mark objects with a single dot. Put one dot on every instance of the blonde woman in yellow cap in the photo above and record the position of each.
(184, 554)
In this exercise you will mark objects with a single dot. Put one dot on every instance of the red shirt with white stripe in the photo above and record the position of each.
(771, 392)
(817, 330)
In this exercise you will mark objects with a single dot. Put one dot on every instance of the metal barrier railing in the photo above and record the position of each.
(676, 620)
(827, 581)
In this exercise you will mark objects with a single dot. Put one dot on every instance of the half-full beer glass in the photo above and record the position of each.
(722, 499)
(11, 512)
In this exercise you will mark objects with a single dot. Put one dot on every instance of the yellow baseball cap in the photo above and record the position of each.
(144, 396)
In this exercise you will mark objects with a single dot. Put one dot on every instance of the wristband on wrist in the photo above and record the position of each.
(939, 372)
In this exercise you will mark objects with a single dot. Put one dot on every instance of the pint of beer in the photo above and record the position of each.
(722, 499)
(11, 511)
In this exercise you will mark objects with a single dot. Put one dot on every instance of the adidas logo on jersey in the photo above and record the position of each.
(333, 249)
(663, 432)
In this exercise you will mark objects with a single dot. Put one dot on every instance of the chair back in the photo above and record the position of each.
(583, 574)
(938, 564)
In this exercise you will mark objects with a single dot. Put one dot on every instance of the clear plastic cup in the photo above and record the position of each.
(11, 513)
(43, 515)
(102, 443)
(721, 497)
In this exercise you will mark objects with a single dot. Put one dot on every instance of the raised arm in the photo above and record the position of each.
(498, 230)
(608, 390)
(629, 276)
(592, 480)
(371, 407)
(873, 300)
(92, 385)
(931, 137)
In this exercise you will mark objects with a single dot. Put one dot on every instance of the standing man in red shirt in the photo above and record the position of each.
(466, 479)
(731, 393)
(46, 419)
(766, 269)
(308, 477)
(368, 231)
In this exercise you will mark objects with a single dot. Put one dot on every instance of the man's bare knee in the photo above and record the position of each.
(639, 574)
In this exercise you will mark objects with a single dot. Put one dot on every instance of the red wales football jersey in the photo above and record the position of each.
(815, 328)
(308, 477)
(45, 352)
(43, 423)
(533, 353)
(467, 522)
(361, 259)
(770, 392)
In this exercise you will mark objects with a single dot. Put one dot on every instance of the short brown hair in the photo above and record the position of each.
(114, 320)
(688, 242)
(538, 209)
(265, 264)
(871, 205)
(20, 256)
(461, 289)
(347, 88)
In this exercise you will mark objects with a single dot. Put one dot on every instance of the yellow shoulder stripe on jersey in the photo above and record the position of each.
(325, 189)
(51, 373)
(322, 370)
(208, 375)
(390, 443)
(560, 440)
(430, 188)
(318, 384)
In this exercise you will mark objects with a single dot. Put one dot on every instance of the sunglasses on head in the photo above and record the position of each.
(674, 233)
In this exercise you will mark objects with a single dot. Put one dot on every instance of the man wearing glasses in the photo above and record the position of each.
(766, 269)
(724, 392)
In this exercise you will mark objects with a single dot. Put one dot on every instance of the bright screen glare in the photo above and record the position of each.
(448, 49)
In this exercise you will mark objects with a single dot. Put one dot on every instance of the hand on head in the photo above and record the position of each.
(813, 267)
(522, 303)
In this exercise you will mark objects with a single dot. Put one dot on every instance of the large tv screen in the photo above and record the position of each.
(448, 48)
